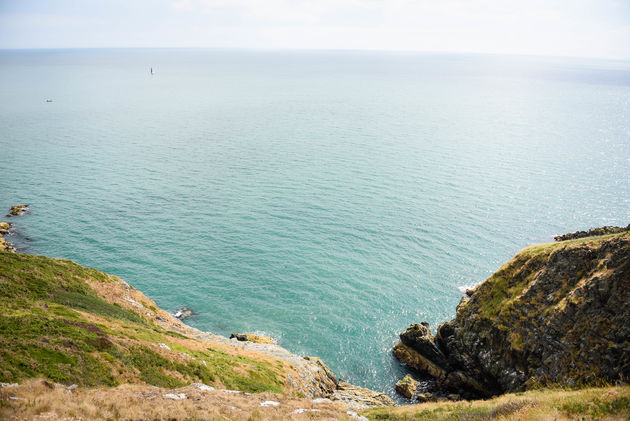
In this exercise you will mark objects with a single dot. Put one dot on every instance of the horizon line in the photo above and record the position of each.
(347, 50)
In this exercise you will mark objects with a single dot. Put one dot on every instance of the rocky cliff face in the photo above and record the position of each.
(555, 314)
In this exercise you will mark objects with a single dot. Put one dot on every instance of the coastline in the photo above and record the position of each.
(120, 327)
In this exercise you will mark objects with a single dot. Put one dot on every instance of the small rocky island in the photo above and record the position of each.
(17, 210)
(557, 314)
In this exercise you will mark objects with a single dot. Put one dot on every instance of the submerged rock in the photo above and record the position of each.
(183, 313)
(556, 314)
(407, 386)
(259, 339)
(17, 210)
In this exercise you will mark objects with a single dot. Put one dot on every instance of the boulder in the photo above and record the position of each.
(419, 338)
(358, 398)
(407, 386)
(426, 397)
(418, 362)
(17, 210)
(6, 246)
(4, 228)
(250, 337)
(183, 313)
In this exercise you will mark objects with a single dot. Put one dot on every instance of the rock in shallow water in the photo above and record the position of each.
(407, 386)
(17, 210)
(420, 338)
(259, 339)
(4, 227)
(183, 313)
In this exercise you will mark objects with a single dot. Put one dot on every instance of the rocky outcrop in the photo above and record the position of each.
(259, 339)
(407, 386)
(4, 244)
(358, 398)
(4, 228)
(17, 210)
(313, 379)
(556, 314)
(184, 313)
(592, 232)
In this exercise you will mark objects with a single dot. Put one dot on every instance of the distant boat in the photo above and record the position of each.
(49, 100)
(152, 72)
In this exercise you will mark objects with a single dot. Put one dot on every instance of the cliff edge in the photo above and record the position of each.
(556, 314)
(82, 331)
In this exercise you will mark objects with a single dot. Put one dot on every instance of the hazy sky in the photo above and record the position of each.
(588, 28)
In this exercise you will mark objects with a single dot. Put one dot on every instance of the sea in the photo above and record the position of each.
(328, 199)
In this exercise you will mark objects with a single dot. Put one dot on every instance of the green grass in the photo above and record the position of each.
(44, 333)
(503, 288)
(95, 305)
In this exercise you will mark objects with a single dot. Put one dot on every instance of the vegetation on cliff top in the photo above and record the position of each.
(612, 403)
(506, 286)
(56, 324)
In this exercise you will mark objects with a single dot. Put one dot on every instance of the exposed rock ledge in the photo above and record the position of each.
(592, 232)
(556, 314)
(314, 379)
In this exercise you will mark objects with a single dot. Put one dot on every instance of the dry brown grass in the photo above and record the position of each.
(40, 400)
(610, 403)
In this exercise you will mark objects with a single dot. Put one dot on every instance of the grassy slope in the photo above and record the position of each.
(507, 284)
(54, 323)
(612, 403)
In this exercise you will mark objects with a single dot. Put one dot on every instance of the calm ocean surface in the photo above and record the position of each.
(328, 199)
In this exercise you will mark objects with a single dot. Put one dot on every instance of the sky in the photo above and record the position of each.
(581, 28)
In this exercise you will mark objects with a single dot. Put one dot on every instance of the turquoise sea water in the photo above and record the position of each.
(328, 199)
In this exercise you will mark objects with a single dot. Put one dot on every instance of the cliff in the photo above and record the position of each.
(555, 315)
(83, 330)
